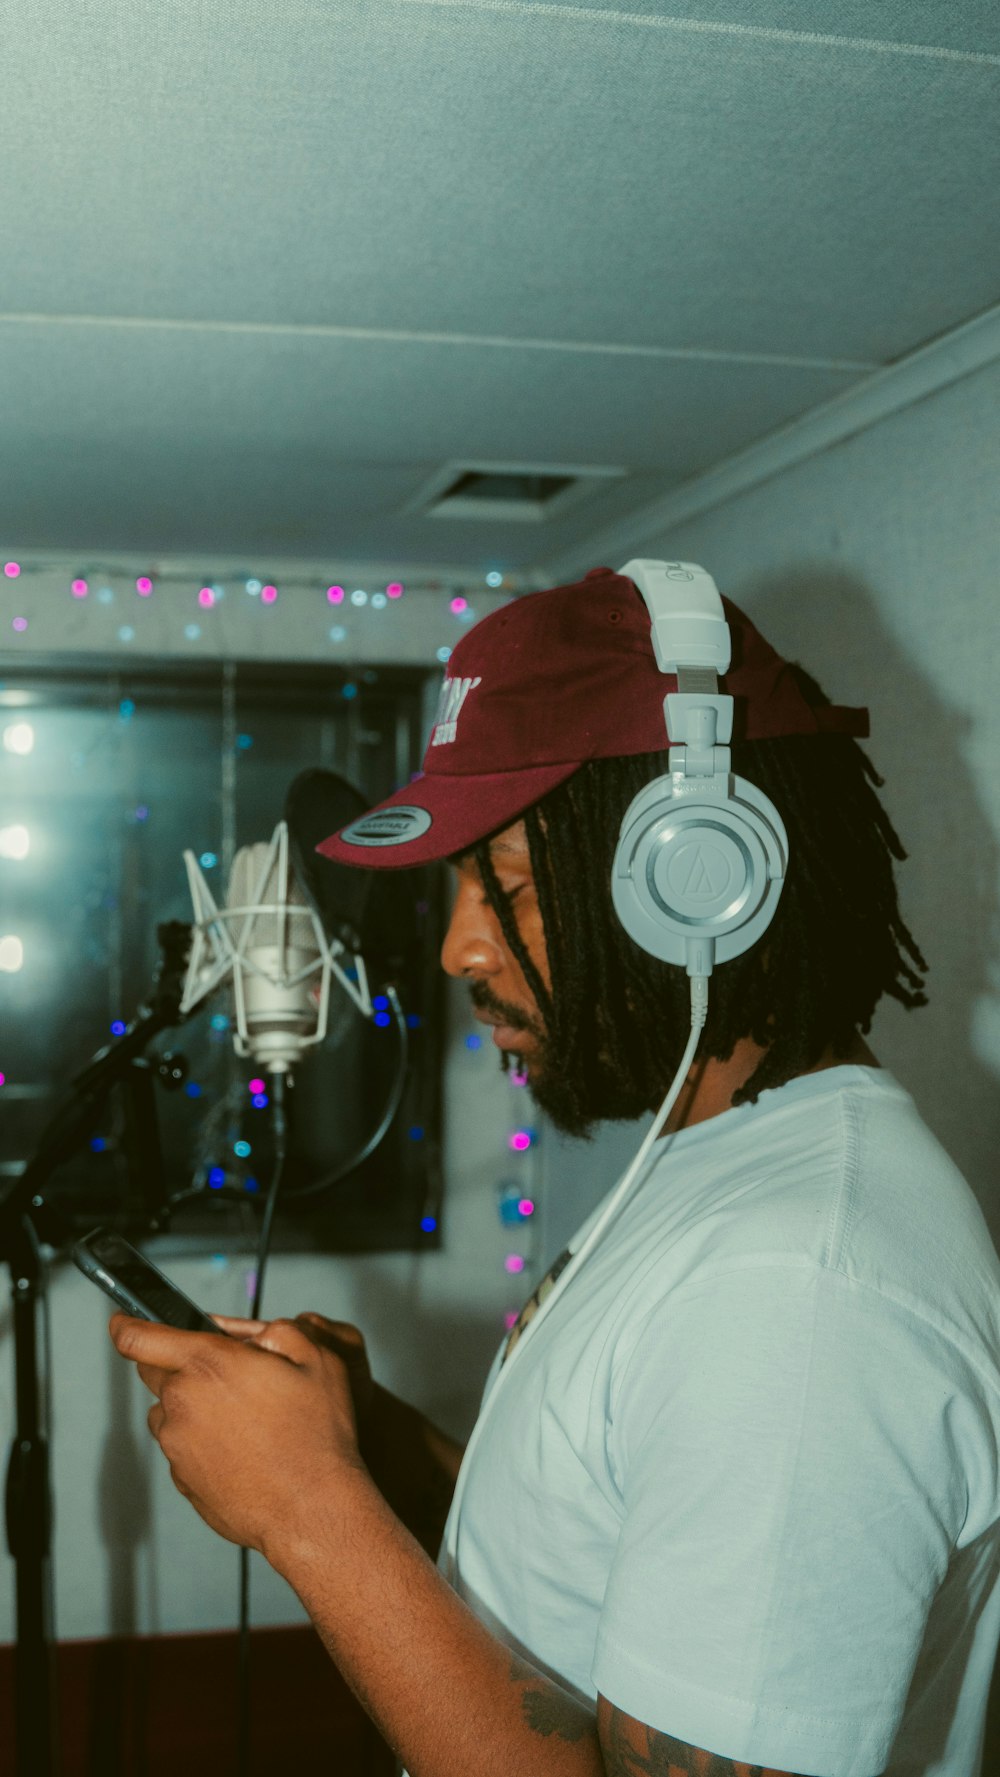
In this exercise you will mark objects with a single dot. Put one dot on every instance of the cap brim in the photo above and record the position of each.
(438, 815)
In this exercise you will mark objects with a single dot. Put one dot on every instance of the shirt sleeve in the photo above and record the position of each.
(783, 1443)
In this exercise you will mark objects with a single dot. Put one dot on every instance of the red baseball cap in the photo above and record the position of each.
(534, 690)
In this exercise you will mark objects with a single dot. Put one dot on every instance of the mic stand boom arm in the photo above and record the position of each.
(25, 1221)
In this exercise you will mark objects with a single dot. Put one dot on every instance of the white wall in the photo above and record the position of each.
(877, 564)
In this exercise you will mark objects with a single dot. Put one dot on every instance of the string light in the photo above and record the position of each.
(12, 569)
(335, 594)
(20, 624)
(144, 586)
(268, 594)
(79, 589)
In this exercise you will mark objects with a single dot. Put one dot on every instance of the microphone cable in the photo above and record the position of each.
(279, 1125)
(329, 1179)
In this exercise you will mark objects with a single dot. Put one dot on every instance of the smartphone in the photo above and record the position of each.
(134, 1285)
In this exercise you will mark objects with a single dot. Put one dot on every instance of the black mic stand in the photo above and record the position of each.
(26, 1220)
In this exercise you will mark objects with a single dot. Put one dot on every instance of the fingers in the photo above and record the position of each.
(238, 1328)
(153, 1378)
(340, 1332)
(160, 1347)
(290, 1340)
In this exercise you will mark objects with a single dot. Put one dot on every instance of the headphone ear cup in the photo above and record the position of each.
(699, 859)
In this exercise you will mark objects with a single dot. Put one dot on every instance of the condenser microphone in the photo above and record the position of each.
(269, 945)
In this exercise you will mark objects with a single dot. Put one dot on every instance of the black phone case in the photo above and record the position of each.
(162, 1295)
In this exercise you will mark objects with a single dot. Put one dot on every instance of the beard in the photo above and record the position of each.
(574, 1099)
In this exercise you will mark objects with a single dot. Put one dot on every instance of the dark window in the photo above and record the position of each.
(125, 772)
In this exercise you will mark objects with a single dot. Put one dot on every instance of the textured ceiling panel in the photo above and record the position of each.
(969, 26)
(285, 435)
(544, 172)
(675, 232)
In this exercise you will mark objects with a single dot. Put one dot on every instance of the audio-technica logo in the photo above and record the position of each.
(700, 873)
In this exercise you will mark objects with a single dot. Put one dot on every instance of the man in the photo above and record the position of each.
(734, 1502)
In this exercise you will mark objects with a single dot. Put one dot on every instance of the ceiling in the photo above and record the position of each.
(266, 269)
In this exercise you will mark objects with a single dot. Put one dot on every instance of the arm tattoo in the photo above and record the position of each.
(631, 1749)
(547, 1709)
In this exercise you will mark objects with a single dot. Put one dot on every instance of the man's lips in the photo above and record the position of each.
(504, 1035)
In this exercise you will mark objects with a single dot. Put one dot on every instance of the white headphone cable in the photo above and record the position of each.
(699, 1012)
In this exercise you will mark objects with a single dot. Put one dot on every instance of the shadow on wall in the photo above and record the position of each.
(830, 622)
(123, 1502)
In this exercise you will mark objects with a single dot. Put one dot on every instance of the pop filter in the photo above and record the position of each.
(370, 911)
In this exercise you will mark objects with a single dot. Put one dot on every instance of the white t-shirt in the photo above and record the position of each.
(743, 1478)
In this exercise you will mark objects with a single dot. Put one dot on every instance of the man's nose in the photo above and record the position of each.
(470, 949)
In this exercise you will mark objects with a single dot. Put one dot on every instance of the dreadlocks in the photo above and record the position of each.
(618, 1017)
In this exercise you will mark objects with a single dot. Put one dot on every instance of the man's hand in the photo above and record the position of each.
(257, 1427)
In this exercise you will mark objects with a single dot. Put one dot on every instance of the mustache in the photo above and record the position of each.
(502, 1010)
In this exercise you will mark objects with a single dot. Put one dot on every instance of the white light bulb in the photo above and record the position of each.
(19, 737)
(11, 955)
(15, 842)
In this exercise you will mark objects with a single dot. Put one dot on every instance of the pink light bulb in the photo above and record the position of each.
(256, 1086)
(206, 597)
(525, 1207)
(268, 594)
(20, 624)
(513, 1262)
(79, 589)
(519, 1141)
(11, 569)
(394, 589)
(335, 594)
(510, 1319)
(144, 586)
(459, 605)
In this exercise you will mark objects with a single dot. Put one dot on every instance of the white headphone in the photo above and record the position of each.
(702, 855)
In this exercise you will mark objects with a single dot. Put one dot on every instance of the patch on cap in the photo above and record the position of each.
(387, 826)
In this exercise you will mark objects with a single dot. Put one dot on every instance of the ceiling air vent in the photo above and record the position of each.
(520, 493)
